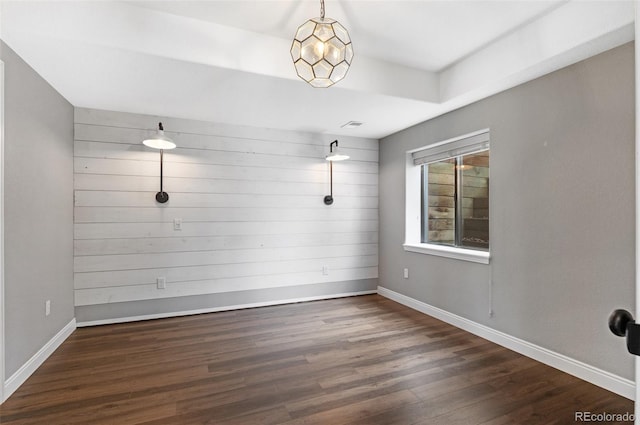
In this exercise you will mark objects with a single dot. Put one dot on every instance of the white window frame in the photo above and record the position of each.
(3, 391)
(413, 210)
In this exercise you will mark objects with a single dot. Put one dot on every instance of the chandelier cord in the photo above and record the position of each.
(322, 9)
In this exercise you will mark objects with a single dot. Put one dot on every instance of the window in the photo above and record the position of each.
(455, 206)
(448, 205)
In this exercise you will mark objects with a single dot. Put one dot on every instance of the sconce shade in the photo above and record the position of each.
(336, 155)
(159, 140)
(322, 51)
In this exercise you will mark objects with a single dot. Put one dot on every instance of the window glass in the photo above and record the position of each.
(475, 200)
(455, 201)
(439, 202)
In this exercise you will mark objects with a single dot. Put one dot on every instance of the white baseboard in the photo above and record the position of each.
(222, 308)
(599, 377)
(27, 369)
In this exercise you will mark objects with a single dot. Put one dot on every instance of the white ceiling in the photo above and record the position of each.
(228, 61)
(427, 35)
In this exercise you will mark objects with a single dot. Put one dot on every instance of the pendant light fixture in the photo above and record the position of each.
(334, 155)
(162, 142)
(322, 51)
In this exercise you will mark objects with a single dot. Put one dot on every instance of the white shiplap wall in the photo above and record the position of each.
(250, 200)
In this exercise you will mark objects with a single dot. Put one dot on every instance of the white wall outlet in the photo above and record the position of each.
(161, 282)
(47, 307)
(177, 224)
(325, 270)
(406, 273)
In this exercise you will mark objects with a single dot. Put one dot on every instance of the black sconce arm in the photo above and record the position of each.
(328, 200)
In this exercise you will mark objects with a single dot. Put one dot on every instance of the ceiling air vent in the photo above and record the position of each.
(352, 124)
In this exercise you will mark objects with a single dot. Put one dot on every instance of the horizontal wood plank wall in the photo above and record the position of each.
(250, 201)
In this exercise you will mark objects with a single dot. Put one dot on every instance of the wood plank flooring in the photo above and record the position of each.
(361, 360)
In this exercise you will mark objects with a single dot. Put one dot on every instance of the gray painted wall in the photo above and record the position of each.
(38, 223)
(562, 212)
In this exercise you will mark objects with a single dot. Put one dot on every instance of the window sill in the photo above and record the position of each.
(472, 255)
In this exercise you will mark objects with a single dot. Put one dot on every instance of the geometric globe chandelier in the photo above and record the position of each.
(322, 51)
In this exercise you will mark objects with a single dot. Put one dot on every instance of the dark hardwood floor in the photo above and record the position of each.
(360, 360)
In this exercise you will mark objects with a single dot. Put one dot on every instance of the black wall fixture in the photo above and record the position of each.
(334, 155)
(162, 142)
(621, 323)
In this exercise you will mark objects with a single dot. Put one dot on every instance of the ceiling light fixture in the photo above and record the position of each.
(322, 51)
(334, 155)
(162, 142)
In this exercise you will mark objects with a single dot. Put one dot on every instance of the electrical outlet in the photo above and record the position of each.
(161, 282)
(406, 273)
(177, 224)
(325, 270)
(47, 307)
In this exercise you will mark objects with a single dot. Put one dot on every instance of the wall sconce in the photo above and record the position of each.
(334, 155)
(162, 142)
